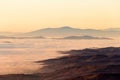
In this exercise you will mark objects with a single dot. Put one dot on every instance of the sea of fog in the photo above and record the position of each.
(18, 55)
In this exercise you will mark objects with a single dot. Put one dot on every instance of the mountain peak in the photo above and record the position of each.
(66, 27)
(68, 31)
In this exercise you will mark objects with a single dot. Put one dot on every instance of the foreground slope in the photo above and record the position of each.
(87, 64)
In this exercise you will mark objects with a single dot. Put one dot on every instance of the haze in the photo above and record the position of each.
(29, 15)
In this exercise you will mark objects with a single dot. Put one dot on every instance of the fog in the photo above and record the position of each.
(18, 55)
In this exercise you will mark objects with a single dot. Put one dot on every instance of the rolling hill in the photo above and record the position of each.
(69, 31)
(85, 37)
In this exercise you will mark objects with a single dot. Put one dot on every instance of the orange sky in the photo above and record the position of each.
(28, 15)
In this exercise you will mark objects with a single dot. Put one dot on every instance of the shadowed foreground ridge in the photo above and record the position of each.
(87, 64)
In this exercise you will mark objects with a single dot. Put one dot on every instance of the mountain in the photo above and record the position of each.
(6, 37)
(113, 29)
(84, 37)
(69, 31)
(12, 37)
(87, 64)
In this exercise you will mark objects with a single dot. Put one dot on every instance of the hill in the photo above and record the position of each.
(69, 31)
(87, 64)
(84, 37)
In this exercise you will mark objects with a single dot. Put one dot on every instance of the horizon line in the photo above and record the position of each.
(59, 27)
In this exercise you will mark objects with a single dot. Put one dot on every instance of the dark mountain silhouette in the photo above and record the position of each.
(87, 64)
(69, 31)
(84, 37)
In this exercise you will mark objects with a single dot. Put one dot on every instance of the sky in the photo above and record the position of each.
(30, 15)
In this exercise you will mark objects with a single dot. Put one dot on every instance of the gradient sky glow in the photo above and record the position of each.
(28, 15)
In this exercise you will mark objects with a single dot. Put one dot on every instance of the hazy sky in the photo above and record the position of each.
(28, 15)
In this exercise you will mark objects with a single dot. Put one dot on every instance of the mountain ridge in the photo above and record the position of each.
(70, 31)
(85, 37)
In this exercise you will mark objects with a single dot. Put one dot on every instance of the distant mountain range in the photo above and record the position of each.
(68, 37)
(84, 37)
(5, 37)
(65, 31)
(69, 31)
(12, 37)
(113, 29)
